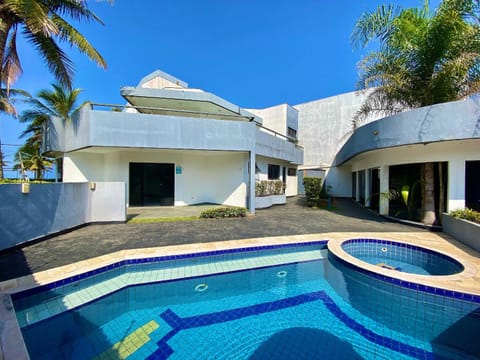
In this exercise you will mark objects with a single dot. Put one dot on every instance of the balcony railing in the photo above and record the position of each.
(180, 112)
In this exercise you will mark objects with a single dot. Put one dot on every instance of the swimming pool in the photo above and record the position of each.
(402, 257)
(298, 302)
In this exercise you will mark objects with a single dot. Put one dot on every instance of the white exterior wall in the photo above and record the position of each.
(215, 177)
(325, 125)
(274, 118)
(339, 179)
(81, 167)
(51, 208)
(462, 150)
(290, 181)
(453, 152)
(292, 185)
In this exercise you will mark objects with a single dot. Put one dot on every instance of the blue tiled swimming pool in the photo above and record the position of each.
(402, 257)
(298, 303)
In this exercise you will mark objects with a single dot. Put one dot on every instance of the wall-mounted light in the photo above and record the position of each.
(25, 188)
(93, 185)
(375, 132)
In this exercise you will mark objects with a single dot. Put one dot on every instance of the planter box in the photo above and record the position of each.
(267, 201)
(464, 231)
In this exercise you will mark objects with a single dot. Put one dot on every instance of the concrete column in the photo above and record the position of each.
(384, 189)
(251, 188)
(357, 186)
(456, 185)
(368, 176)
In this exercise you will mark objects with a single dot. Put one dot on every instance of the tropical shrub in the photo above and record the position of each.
(466, 214)
(223, 212)
(313, 189)
(269, 187)
(19, 181)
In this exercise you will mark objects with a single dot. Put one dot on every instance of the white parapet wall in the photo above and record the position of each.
(263, 202)
(51, 208)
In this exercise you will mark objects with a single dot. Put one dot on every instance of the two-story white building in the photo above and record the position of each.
(173, 145)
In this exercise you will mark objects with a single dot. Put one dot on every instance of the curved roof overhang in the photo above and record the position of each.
(184, 102)
(459, 120)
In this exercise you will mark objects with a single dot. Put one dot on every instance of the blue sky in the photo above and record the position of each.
(252, 53)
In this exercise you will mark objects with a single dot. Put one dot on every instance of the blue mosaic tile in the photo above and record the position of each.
(178, 324)
(407, 284)
(122, 263)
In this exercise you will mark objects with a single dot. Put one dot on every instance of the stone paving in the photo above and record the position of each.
(94, 240)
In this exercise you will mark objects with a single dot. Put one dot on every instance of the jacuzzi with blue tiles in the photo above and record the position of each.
(402, 257)
(292, 301)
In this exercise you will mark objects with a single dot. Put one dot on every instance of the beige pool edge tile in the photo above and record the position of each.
(467, 281)
(13, 346)
(443, 244)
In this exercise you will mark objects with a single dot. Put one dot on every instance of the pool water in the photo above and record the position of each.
(402, 257)
(314, 308)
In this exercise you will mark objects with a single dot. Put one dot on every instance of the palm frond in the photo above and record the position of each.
(11, 62)
(34, 15)
(69, 34)
(77, 10)
(56, 60)
(373, 25)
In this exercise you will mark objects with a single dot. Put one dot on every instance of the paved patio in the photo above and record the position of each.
(95, 240)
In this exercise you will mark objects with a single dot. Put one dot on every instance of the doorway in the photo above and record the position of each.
(472, 190)
(151, 184)
(375, 189)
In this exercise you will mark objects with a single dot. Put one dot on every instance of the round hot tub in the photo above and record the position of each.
(402, 257)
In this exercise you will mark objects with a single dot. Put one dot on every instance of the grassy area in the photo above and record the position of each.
(162, 219)
(325, 207)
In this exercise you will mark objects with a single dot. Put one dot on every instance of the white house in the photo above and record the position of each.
(174, 145)
(380, 163)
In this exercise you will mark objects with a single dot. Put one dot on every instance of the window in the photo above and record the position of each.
(292, 132)
(292, 172)
(273, 172)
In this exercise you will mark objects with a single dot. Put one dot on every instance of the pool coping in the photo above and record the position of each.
(464, 282)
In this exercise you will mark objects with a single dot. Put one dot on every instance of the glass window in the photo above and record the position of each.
(273, 172)
(292, 132)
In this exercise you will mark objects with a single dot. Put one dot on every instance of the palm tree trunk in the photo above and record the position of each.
(2, 161)
(428, 195)
(441, 195)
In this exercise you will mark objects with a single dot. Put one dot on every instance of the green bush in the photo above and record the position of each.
(313, 188)
(19, 181)
(466, 214)
(260, 188)
(278, 187)
(269, 187)
(224, 212)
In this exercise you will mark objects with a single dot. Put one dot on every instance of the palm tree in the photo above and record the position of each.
(29, 158)
(44, 24)
(3, 162)
(423, 57)
(60, 102)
